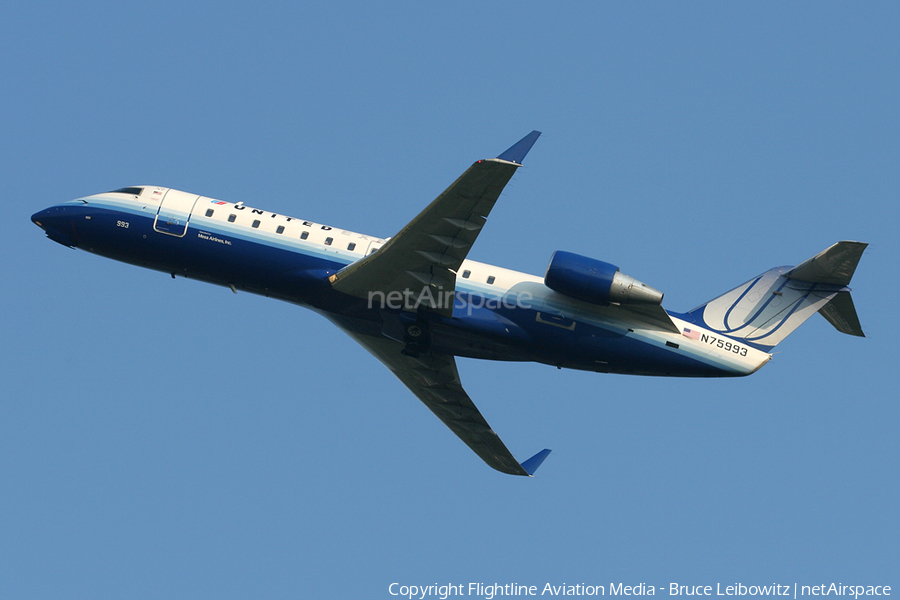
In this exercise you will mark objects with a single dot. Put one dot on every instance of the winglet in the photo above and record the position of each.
(531, 465)
(516, 153)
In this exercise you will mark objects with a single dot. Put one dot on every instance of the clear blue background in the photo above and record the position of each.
(164, 438)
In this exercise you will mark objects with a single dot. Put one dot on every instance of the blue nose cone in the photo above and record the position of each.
(38, 218)
(58, 224)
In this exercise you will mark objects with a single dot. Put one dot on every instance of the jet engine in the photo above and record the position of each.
(596, 281)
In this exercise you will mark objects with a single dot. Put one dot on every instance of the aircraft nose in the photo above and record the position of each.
(57, 224)
(36, 218)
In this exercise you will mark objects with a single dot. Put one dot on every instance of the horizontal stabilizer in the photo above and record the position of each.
(531, 465)
(834, 265)
(766, 309)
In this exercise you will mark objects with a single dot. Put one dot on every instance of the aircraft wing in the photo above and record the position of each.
(421, 261)
(433, 378)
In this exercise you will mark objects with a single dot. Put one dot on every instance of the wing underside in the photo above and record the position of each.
(420, 264)
(434, 379)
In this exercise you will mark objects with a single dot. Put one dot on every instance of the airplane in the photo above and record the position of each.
(415, 301)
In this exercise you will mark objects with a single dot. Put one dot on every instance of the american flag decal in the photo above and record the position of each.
(691, 333)
(219, 202)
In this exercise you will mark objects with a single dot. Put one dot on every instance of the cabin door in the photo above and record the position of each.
(174, 213)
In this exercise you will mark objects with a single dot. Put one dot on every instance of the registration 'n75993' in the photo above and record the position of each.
(724, 344)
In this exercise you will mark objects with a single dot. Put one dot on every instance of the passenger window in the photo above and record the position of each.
(466, 274)
(209, 212)
(231, 218)
(256, 223)
(351, 246)
(280, 229)
(304, 235)
(490, 280)
(328, 241)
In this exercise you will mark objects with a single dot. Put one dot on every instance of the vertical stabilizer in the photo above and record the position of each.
(766, 309)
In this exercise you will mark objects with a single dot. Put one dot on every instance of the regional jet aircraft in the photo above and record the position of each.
(416, 302)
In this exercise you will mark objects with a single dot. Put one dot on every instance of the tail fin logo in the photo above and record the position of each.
(765, 310)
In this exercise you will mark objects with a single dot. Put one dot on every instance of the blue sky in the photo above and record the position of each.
(164, 438)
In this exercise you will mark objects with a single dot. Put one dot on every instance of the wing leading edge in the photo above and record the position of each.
(421, 261)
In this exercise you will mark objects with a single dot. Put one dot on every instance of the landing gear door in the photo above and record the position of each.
(174, 213)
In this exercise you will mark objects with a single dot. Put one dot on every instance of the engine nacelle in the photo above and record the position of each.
(596, 281)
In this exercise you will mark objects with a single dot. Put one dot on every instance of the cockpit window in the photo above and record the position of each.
(135, 191)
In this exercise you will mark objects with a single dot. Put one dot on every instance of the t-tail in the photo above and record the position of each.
(766, 309)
